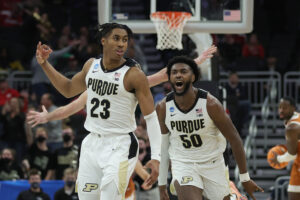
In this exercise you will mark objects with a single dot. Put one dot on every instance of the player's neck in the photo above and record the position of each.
(187, 100)
(109, 63)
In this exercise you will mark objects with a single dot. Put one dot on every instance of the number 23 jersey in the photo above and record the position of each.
(110, 107)
(193, 135)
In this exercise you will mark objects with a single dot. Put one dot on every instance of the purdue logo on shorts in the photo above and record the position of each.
(90, 186)
(186, 179)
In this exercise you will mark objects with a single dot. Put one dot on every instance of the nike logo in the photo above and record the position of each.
(173, 115)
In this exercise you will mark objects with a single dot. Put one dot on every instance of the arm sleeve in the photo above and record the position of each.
(154, 135)
(164, 163)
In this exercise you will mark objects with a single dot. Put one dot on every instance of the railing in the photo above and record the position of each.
(281, 184)
(258, 85)
(292, 85)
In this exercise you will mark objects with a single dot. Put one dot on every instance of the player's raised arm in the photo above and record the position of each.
(137, 80)
(65, 86)
(225, 125)
(34, 118)
(161, 76)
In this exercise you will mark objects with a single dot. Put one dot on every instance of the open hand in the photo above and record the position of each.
(34, 118)
(43, 52)
(250, 187)
(153, 165)
(208, 53)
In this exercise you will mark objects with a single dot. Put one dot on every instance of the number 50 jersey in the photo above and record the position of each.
(193, 135)
(110, 107)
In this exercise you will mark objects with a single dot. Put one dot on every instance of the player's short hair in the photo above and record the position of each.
(290, 100)
(105, 29)
(186, 60)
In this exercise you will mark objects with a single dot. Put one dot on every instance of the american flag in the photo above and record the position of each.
(232, 15)
(117, 76)
(199, 112)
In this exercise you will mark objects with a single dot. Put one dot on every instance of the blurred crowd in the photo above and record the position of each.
(51, 151)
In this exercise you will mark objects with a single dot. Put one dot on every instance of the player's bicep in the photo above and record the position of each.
(292, 138)
(161, 113)
(143, 93)
(221, 119)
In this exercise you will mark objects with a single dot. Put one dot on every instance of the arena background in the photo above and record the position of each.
(265, 56)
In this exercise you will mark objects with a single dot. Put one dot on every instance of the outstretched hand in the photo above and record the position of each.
(153, 165)
(34, 118)
(250, 187)
(43, 52)
(208, 53)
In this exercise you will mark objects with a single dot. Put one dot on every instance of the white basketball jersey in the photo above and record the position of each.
(193, 135)
(110, 108)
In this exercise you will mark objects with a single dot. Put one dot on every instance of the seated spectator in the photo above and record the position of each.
(9, 169)
(13, 126)
(68, 191)
(253, 48)
(6, 93)
(238, 104)
(39, 157)
(65, 157)
(230, 50)
(35, 191)
(54, 128)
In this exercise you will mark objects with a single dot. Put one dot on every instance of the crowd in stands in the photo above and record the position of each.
(51, 152)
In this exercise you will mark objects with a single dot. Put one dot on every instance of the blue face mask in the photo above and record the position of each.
(35, 185)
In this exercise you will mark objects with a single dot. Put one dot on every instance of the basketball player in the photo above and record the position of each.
(287, 112)
(194, 124)
(114, 85)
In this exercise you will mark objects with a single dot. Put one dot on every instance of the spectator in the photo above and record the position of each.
(6, 93)
(68, 191)
(65, 157)
(253, 48)
(9, 169)
(238, 104)
(40, 82)
(39, 157)
(135, 52)
(144, 157)
(13, 126)
(35, 191)
(230, 50)
(54, 128)
(166, 89)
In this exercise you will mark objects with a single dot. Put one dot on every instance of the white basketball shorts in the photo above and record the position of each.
(211, 176)
(103, 159)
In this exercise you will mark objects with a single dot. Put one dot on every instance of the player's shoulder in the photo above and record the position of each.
(87, 65)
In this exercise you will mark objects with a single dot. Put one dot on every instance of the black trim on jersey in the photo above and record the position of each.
(200, 94)
(170, 96)
(133, 146)
(129, 62)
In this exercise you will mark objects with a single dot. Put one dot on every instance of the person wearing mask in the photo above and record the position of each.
(39, 156)
(66, 156)
(54, 128)
(35, 191)
(9, 169)
(68, 191)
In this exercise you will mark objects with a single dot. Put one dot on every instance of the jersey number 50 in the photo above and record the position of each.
(106, 105)
(194, 140)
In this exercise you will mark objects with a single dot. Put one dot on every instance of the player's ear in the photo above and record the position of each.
(193, 78)
(102, 41)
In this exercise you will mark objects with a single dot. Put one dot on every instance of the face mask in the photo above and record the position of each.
(70, 183)
(35, 185)
(40, 139)
(6, 160)
(66, 138)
